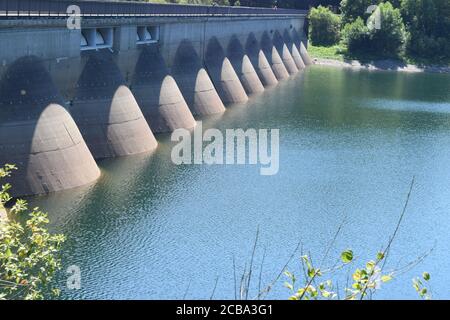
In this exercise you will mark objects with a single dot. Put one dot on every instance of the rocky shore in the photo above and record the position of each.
(388, 65)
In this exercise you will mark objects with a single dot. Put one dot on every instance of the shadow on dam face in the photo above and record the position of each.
(106, 111)
(298, 39)
(194, 82)
(158, 94)
(223, 75)
(294, 50)
(38, 135)
(286, 56)
(273, 57)
(259, 61)
(243, 67)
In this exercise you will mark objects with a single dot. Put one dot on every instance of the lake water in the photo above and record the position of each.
(350, 144)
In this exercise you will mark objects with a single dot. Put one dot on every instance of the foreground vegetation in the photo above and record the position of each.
(29, 254)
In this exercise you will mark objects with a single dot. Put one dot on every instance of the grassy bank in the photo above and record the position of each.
(334, 52)
(339, 53)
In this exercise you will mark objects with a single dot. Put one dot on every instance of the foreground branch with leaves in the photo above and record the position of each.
(318, 282)
(366, 280)
(29, 254)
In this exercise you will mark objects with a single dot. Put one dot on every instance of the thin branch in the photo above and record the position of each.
(187, 289)
(261, 270)
(214, 290)
(251, 264)
(269, 287)
(391, 240)
(235, 280)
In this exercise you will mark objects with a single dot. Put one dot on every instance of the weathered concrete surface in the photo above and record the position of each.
(106, 111)
(305, 55)
(259, 62)
(275, 61)
(158, 94)
(194, 82)
(286, 56)
(243, 67)
(288, 40)
(223, 75)
(297, 57)
(38, 135)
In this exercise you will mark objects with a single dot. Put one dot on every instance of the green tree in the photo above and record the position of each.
(384, 34)
(428, 25)
(353, 9)
(324, 26)
(356, 36)
(390, 39)
(28, 252)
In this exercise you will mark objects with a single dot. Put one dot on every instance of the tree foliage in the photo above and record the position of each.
(28, 252)
(353, 9)
(385, 38)
(325, 26)
(428, 25)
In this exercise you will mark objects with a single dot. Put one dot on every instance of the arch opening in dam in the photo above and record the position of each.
(299, 40)
(259, 61)
(158, 94)
(38, 135)
(223, 75)
(106, 111)
(194, 82)
(285, 53)
(273, 57)
(294, 51)
(243, 67)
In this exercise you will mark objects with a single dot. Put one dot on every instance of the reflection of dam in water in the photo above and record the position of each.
(69, 97)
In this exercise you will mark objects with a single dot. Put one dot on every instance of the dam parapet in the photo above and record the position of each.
(131, 70)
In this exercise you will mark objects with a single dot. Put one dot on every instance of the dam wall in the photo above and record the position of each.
(69, 97)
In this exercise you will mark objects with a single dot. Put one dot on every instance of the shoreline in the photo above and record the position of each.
(383, 65)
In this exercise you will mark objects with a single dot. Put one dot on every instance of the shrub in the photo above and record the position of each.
(29, 254)
(391, 38)
(427, 22)
(353, 9)
(386, 40)
(325, 26)
(356, 36)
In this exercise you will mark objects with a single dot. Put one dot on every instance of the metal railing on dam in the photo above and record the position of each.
(58, 8)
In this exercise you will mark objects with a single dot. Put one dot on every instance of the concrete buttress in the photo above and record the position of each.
(38, 134)
(106, 111)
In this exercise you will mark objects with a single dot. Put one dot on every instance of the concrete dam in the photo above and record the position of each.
(71, 95)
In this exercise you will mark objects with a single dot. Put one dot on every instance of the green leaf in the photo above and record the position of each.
(370, 265)
(357, 275)
(386, 278)
(380, 256)
(289, 286)
(347, 256)
(426, 276)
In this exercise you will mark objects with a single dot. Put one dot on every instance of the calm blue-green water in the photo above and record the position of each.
(350, 144)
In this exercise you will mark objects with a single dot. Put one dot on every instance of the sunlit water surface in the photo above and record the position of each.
(350, 144)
